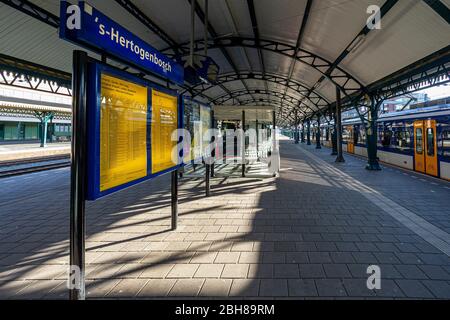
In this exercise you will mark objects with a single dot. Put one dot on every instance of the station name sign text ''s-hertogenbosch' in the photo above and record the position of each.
(88, 27)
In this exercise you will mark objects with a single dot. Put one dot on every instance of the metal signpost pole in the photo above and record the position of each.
(78, 178)
(213, 140)
(243, 144)
(275, 154)
(207, 179)
(257, 140)
(174, 203)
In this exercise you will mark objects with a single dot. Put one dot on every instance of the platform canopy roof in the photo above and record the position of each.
(291, 54)
(33, 107)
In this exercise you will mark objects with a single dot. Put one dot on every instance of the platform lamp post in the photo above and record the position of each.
(257, 140)
(78, 178)
(340, 157)
(174, 200)
(174, 186)
(207, 179)
(243, 144)
(213, 141)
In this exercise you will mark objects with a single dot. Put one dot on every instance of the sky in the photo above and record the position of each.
(438, 92)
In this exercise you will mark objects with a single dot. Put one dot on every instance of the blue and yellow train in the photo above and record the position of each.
(417, 139)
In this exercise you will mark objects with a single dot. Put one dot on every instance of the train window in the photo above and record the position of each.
(419, 141)
(430, 142)
(362, 135)
(387, 136)
(402, 139)
(446, 143)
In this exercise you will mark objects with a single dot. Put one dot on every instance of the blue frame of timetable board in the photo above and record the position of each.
(94, 148)
(200, 104)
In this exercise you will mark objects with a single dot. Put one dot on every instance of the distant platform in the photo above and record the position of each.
(29, 151)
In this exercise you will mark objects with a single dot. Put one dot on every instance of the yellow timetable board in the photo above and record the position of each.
(123, 132)
(164, 123)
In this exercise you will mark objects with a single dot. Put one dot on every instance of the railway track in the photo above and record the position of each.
(20, 167)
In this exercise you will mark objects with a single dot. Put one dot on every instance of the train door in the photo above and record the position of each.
(431, 163)
(425, 153)
(419, 148)
(350, 143)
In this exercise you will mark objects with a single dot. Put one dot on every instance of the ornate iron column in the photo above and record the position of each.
(340, 157)
(372, 135)
(308, 132)
(318, 134)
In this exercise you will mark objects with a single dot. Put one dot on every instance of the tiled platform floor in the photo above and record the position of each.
(310, 233)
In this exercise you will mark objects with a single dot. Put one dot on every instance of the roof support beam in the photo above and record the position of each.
(34, 11)
(212, 31)
(236, 32)
(429, 71)
(424, 73)
(223, 99)
(387, 6)
(441, 9)
(315, 100)
(146, 21)
(38, 13)
(299, 39)
(251, 9)
(343, 79)
(277, 78)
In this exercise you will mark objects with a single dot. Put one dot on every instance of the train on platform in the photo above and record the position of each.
(417, 139)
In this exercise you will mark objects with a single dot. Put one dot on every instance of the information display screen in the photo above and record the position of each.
(123, 132)
(164, 123)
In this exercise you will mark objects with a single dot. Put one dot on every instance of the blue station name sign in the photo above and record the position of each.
(88, 27)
